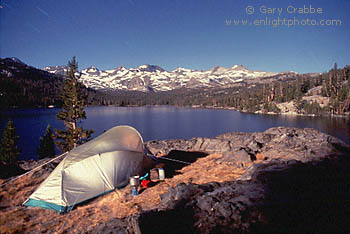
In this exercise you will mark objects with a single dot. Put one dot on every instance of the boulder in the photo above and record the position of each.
(237, 157)
(278, 196)
(297, 184)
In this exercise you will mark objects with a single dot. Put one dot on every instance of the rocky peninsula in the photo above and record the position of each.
(282, 180)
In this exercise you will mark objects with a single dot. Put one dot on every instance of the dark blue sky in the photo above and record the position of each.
(186, 33)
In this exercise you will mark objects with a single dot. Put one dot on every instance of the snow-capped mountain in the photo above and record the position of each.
(152, 77)
(58, 70)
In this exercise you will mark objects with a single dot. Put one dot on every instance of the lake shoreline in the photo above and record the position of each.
(347, 115)
(270, 113)
(165, 122)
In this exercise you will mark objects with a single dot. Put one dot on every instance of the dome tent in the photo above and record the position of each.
(92, 169)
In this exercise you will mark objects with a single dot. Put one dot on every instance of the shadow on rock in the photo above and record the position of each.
(310, 197)
(280, 197)
(171, 167)
(7, 171)
(172, 221)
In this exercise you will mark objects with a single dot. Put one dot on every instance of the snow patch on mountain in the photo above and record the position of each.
(152, 77)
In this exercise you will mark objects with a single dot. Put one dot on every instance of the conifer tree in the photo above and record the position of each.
(72, 112)
(9, 151)
(47, 145)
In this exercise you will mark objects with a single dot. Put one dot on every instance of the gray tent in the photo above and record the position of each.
(92, 169)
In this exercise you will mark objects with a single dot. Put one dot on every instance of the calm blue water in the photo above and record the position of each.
(159, 123)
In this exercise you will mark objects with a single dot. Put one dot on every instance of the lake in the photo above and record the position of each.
(163, 122)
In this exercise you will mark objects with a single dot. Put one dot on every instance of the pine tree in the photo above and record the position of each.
(72, 112)
(9, 151)
(47, 145)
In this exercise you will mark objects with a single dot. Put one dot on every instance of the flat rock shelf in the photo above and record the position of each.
(283, 180)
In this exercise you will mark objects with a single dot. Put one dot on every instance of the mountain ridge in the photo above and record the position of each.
(153, 77)
(22, 85)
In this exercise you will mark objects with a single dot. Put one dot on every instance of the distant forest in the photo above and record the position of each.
(25, 86)
(30, 87)
(264, 97)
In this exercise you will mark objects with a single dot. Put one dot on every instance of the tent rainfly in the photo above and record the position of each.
(92, 169)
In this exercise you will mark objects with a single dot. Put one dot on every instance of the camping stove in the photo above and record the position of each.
(134, 183)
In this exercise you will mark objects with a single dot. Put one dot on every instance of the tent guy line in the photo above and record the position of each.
(170, 159)
(34, 169)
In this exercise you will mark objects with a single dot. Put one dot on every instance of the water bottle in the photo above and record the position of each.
(161, 173)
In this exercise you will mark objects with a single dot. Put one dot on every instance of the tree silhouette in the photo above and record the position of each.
(9, 151)
(47, 145)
